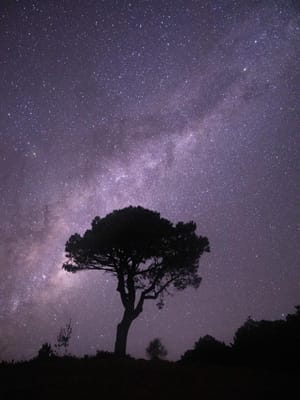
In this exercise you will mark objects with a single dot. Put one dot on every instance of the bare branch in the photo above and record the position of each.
(150, 268)
(83, 267)
(161, 289)
(145, 296)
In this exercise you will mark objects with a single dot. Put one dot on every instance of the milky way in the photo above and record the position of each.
(190, 108)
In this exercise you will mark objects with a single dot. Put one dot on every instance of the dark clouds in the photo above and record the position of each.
(186, 107)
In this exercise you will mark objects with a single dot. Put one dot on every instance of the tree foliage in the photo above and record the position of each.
(141, 249)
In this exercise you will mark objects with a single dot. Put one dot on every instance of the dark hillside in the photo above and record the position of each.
(72, 378)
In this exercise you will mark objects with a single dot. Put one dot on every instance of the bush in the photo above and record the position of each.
(207, 350)
(45, 352)
(156, 350)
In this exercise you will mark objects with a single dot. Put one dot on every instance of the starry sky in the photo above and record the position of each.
(189, 108)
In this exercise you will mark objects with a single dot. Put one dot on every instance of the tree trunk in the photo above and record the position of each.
(122, 332)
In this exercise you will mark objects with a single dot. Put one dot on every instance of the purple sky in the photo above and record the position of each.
(189, 108)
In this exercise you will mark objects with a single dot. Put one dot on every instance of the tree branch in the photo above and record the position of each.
(131, 290)
(162, 288)
(121, 289)
(149, 269)
(75, 268)
(104, 261)
(145, 296)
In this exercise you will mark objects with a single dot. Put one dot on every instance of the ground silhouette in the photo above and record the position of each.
(125, 378)
(210, 371)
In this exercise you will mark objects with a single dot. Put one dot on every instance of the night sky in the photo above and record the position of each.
(189, 108)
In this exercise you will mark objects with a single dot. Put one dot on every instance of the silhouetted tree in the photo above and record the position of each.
(260, 341)
(207, 350)
(45, 352)
(63, 337)
(273, 343)
(293, 321)
(146, 253)
(156, 350)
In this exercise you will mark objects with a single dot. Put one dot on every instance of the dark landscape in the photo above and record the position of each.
(149, 199)
(140, 379)
(262, 363)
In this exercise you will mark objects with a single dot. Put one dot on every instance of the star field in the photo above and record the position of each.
(190, 108)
